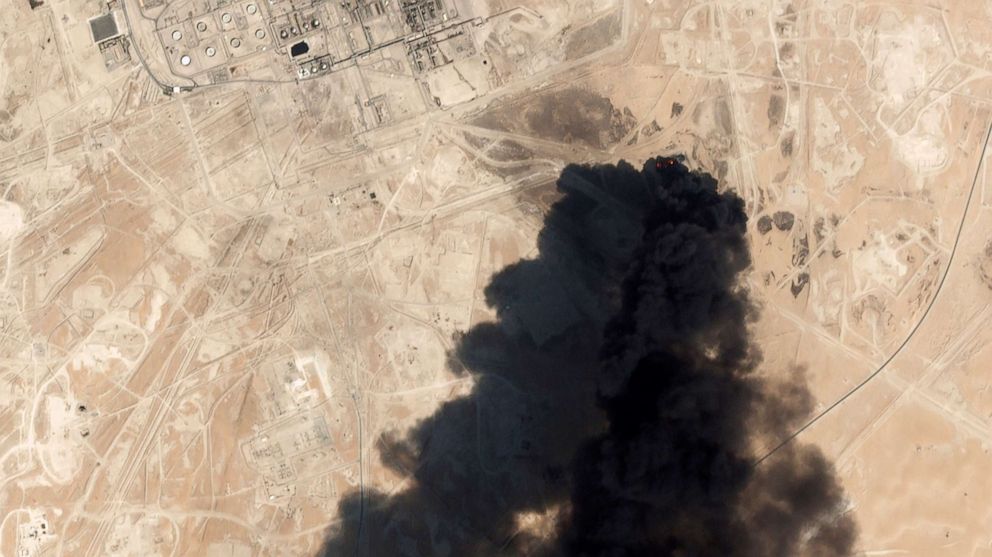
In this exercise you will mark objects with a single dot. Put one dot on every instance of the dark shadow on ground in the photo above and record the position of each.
(615, 396)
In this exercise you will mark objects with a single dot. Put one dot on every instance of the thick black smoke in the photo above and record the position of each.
(616, 406)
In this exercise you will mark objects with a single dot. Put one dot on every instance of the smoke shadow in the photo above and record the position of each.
(616, 403)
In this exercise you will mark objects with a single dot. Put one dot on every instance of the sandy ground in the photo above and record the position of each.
(216, 301)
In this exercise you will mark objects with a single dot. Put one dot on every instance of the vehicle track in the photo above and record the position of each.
(950, 260)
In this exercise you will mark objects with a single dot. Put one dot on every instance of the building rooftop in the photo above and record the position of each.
(104, 27)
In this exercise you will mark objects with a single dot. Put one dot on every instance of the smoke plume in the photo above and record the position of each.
(616, 404)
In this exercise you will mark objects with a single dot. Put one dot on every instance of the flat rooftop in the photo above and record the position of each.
(103, 27)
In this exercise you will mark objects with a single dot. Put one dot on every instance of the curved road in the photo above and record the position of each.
(950, 260)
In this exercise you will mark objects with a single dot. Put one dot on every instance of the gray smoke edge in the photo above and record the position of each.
(618, 390)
